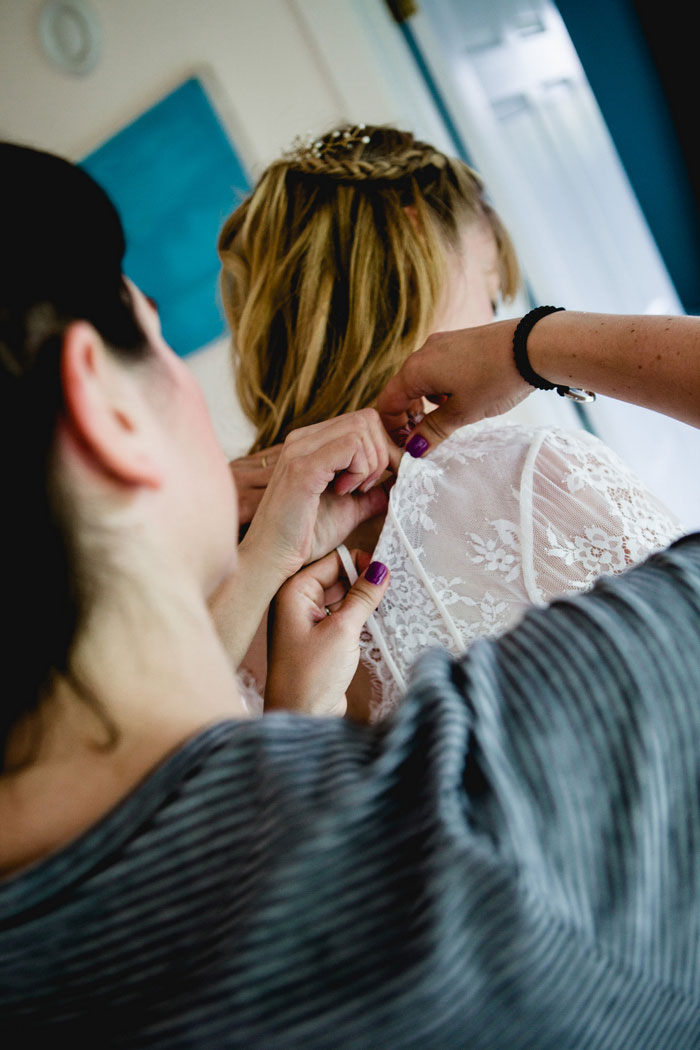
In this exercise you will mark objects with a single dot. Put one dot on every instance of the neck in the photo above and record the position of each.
(156, 663)
(154, 670)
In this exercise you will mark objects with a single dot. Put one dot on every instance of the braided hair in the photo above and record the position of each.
(333, 267)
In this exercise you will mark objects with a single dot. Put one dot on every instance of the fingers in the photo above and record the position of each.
(251, 475)
(322, 576)
(402, 397)
(425, 374)
(470, 374)
(456, 412)
(298, 519)
(431, 431)
(353, 448)
(379, 453)
(334, 595)
(325, 572)
(314, 651)
(338, 516)
(318, 585)
(308, 439)
(363, 598)
(324, 583)
(257, 461)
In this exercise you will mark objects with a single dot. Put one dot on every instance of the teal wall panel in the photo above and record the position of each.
(174, 177)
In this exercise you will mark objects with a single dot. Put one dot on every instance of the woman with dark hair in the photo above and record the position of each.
(512, 860)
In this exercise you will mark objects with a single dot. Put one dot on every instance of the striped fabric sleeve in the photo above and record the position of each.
(586, 753)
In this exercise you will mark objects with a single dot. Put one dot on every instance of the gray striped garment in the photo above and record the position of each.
(512, 862)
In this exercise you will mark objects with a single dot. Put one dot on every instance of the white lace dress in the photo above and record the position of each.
(494, 520)
(498, 518)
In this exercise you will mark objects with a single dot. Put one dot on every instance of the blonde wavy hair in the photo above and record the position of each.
(333, 267)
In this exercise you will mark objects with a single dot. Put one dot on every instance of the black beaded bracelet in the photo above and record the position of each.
(522, 362)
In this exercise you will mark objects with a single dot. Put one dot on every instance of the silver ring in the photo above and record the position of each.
(328, 612)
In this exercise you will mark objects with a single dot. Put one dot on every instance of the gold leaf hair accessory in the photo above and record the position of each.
(307, 146)
(356, 153)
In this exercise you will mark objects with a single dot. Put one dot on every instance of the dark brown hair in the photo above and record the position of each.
(61, 252)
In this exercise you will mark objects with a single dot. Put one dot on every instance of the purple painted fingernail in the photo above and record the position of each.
(417, 446)
(376, 573)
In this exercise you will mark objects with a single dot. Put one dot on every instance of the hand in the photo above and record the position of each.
(312, 656)
(251, 475)
(470, 374)
(323, 486)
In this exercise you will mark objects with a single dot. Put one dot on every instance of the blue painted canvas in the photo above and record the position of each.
(174, 177)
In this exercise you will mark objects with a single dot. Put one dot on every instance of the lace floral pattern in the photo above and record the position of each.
(596, 552)
(499, 553)
(499, 518)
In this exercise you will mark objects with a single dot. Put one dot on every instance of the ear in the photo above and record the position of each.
(104, 409)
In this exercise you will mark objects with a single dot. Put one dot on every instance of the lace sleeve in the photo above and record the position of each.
(590, 515)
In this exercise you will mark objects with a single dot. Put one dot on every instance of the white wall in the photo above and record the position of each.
(270, 78)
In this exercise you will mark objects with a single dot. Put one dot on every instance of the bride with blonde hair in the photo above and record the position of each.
(352, 250)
